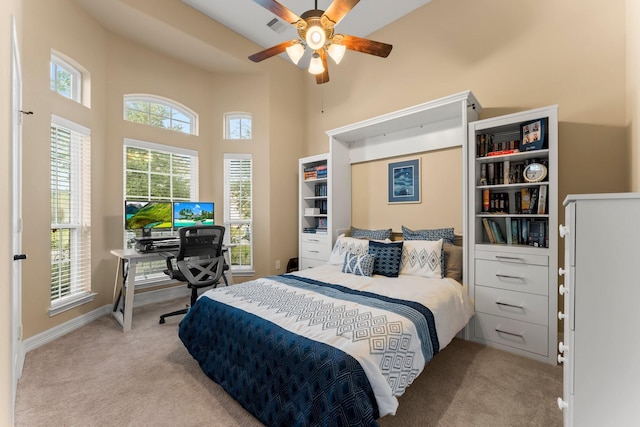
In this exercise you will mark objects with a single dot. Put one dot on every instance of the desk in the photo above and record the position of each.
(127, 261)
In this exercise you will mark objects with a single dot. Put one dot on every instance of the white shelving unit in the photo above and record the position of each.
(314, 211)
(513, 280)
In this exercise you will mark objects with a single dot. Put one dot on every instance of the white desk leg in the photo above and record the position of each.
(129, 292)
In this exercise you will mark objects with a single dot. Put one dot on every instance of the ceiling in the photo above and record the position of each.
(251, 20)
(244, 17)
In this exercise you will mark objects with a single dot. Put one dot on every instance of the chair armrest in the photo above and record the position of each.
(168, 256)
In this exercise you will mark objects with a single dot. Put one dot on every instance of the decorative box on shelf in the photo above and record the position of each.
(311, 211)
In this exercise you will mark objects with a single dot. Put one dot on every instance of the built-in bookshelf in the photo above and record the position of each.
(314, 218)
(513, 193)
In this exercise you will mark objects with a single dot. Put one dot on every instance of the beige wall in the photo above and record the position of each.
(513, 56)
(8, 9)
(633, 90)
(119, 66)
(441, 193)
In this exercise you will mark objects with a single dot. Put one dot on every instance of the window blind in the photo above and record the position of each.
(70, 210)
(238, 209)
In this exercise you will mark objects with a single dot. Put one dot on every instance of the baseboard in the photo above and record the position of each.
(140, 299)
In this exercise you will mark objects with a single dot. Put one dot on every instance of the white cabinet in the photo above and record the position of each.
(512, 218)
(600, 349)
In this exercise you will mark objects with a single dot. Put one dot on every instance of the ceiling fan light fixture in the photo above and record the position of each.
(295, 52)
(315, 37)
(315, 66)
(336, 52)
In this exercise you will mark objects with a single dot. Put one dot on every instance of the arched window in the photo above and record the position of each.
(237, 126)
(160, 112)
(67, 77)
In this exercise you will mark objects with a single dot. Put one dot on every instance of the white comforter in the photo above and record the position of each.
(446, 298)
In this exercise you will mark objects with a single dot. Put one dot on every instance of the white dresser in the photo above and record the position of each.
(601, 288)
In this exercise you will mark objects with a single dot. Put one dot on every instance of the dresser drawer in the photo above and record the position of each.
(513, 333)
(513, 258)
(514, 305)
(310, 263)
(513, 276)
(315, 251)
(314, 238)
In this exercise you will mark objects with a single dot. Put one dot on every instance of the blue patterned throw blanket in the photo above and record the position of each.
(294, 351)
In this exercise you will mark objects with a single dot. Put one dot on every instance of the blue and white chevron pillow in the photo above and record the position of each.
(360, 265)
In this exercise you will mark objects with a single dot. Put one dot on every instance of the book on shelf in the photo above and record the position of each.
(515, 231)
(315, 172)
(537, 233)
(508, 230)
(487, 229)
(506, 171)
(542, 200)
(491, 174)
(495, 227)
(533, 200)
(486, 194)
(525, 200)
(503, 152)
(524, 231)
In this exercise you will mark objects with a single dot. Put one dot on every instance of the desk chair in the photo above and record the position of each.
(199, 261)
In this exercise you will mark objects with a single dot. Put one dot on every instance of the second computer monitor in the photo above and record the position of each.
(186, 214)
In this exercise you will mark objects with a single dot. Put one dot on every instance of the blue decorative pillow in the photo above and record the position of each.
(445, 234)
(360, 265)
(360, 233)
(387, 258)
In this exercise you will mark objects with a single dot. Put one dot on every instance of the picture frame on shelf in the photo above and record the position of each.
(404, 182)
(532, 135)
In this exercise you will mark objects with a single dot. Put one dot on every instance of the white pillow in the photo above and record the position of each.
(422, 258)
(347, 244)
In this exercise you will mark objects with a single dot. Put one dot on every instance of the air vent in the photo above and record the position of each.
(276, 25)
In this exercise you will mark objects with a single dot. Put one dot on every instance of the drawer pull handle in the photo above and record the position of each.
(506, 276)
(315, 252)
(562, 404)
(512, 258)
(563, 231)
(510, 305)
(501, 331)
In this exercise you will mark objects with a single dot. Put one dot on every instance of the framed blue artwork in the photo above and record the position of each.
(404, 182)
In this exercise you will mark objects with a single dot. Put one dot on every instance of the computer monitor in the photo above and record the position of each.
(192, 213)
(147, 216)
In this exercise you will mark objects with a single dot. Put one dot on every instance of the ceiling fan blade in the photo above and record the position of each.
(338, 9)
(366, 46)
(279, 10)
(324, 76)
(272, 51)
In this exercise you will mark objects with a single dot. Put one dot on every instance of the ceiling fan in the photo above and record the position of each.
(315, 28)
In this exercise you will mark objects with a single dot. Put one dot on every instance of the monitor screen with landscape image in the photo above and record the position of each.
(146, 215)
(186, 214)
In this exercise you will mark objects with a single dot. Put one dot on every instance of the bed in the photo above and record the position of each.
(327, 346)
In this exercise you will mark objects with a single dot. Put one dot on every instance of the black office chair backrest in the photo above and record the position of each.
(199, 257)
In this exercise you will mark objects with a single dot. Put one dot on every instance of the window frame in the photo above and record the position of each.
(58, 62)
(79, 224)
(241, 116)
(150, 272)
(229, 221)
(172, 105)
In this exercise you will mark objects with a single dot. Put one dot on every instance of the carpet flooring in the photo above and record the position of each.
(99, 376)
